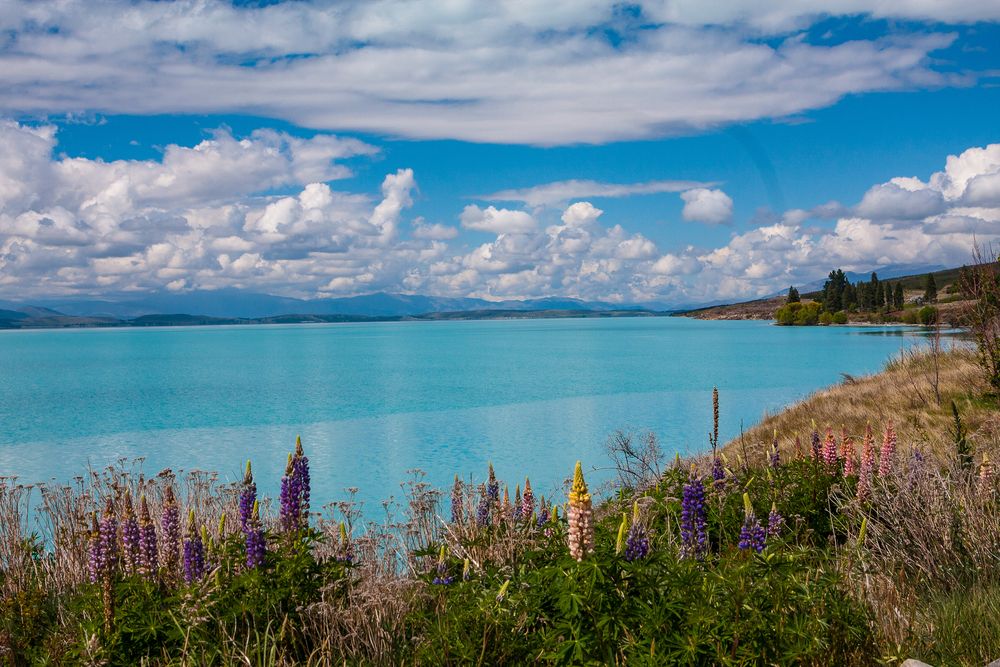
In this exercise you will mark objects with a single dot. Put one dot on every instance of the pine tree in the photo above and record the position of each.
(930, 289)
(793, 295)
(897, 297)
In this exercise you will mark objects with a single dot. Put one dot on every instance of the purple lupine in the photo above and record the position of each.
(543, 513)
(248, 496)
(148, 560)
(170, 526)
(288, 497)
(492, 486)
(130, 536)
(718, 472)
(752, 535)
(456, 501)
(816, 450)
(94, 551)
(442, 578)
(254, 533)
(483, 509)
(693, 534)
(774, 460)
(301, 463)
(108, 537)
(637, 543)
(527, 501)
(774, 522)
(194, 552)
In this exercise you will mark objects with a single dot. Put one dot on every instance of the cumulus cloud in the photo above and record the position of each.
(713, 207)
(496, 220)
(72, 225)
(560, 192)
(509, 72)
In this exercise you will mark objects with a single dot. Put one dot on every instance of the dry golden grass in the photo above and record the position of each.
(903, 392)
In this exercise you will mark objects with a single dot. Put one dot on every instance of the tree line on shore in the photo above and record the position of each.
(839, 298)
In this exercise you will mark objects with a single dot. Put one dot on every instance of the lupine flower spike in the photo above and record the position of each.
(301, 462)
(775, 458)
(752, 534)
(867, 469)
(847, 453)
(254, 535)
(527, 501)
(798, 446)
(518, 504)
(288, 498)
(148, 561)
(580, 516)
(888, 453)
(345, 550)
(830, 451)
(442, 577)
(505, 508)
(456, 501)
(108, 560)
(170, 525)
(637, 544)
(622, 531)
(194, 552)
(774, 522)
(492, 486)
(718, 472)
(483, 510)
(248, 496)
(816, 450)
(693, 534)
(130, 536)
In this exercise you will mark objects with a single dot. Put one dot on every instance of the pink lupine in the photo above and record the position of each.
(867, 465)
(888, 453)
(847, 453)
(830, 450)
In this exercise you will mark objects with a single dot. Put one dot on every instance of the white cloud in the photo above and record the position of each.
(510, 72)
(560, 192)
(497, 220)
(713, 207)
(73, 225)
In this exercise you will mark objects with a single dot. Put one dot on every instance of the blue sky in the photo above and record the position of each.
(311, 149)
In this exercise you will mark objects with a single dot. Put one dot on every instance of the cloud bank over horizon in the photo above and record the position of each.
(206, 217)
(533, 73)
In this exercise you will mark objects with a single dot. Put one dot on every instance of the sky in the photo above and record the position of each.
(669, 152)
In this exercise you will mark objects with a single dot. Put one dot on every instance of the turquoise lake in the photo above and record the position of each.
(372, 401)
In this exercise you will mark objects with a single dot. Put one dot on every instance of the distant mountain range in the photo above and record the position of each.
(234, 303)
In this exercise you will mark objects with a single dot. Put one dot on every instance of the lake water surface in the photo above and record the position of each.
(372, 401)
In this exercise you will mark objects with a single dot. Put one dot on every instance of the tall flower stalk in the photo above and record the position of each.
(194, 552)
(752, 535)
(830, 451)
(694, 537)
(254, 535)
(148, 560)
(886, 459)
(248, 496)
(527, 501)
(130, 536)
(637, 544)
(456, 501)
(170, 526)
(107, 561)
(580, 516)
(847, 453)
(816, 449)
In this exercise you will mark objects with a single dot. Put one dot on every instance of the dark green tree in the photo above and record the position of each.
(930, 289)
(897, 296)
(793, 295)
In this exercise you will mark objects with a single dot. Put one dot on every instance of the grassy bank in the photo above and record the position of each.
(846, 551)
(915, 390)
